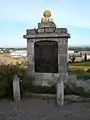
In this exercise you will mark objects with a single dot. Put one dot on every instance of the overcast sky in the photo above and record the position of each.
(18, 15)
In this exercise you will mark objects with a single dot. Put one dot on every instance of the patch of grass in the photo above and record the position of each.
(77, 91)
(83, 63)
(42, 90)
(83, 76)
(81, 72)
(79, 69)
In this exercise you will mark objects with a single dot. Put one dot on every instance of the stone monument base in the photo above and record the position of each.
(49, 79)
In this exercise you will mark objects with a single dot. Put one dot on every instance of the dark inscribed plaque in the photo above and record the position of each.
(46, 56)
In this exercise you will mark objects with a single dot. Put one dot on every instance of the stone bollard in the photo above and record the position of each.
(60, 93)
(16, 88)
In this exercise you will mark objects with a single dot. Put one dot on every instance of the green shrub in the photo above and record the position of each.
(67, 91)
(18, 63)
(7, 73)
(77, 91)
(84, 76)
(24, 63)
(42, 89)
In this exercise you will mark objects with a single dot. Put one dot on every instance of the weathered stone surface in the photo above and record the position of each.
(61, 30)
(63, 76)
(48, 32)
(29, 46)
(41, 30)
(62, 49)
(45, 25)
(16, 88)
(31, 68)
(73, 82)
(46, 35)
(31, 31)
(85, 84)
(62, 61)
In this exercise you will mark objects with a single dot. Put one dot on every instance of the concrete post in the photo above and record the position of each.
(60, 93)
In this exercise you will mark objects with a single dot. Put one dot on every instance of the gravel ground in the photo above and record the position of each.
(38, 109)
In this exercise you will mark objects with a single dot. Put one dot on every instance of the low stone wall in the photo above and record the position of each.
(72, 80)
(46, 79)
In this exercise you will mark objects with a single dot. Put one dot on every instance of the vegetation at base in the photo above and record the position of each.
(79, 69)
(42, 90)
(21, 63)
(83, 63)
(7, 73)
(83, 76)
(68, 91)
(80, 91)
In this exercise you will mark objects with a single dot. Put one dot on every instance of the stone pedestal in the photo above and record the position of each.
(48, 32)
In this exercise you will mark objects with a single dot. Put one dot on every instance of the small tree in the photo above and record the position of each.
(85, 57)
(73, 58)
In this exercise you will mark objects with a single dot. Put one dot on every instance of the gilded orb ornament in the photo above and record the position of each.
(46, 17)
(47, 13)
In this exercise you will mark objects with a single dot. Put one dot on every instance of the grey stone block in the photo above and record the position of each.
(48, 31)
(62, 49)
(63, 76)
(41, 30)
(45, 25)
(62, 60)
(62, 63)
(31, 31)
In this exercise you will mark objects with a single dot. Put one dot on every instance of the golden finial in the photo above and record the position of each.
(47, 13)
(47, 17)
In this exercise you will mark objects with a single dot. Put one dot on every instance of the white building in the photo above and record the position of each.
(18, 53)
(70, 51)
(78, 56)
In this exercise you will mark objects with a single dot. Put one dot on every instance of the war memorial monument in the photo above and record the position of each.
(47, 47)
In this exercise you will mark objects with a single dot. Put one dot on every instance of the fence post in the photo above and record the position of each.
(16, 88)
(60, 93)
